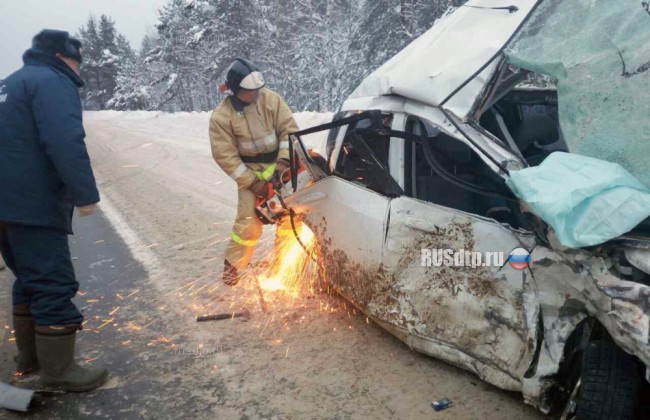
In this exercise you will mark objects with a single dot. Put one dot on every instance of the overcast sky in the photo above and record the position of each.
(20, 20)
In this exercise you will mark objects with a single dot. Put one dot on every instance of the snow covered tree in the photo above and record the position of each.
(130, 91)
(322, 68)
(105, 53)
(312, 52)
(387, 26)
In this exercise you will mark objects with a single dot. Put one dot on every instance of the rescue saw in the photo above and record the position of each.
(272, 208)
(306, 166)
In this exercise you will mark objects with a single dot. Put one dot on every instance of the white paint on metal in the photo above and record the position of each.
(437, 63)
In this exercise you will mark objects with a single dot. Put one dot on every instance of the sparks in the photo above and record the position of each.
(106, 322)
(286, 271)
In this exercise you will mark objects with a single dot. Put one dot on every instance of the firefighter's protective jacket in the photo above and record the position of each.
(257, 130)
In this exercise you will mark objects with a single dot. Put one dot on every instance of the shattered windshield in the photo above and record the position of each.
(598, 51)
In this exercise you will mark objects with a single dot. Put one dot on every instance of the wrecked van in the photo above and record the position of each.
(417, 162)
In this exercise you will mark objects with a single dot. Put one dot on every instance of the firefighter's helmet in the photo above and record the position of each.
(243, 74)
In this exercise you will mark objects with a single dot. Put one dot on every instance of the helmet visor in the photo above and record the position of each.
(253, 81)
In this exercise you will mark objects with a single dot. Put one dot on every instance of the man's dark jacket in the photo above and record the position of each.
(44, 166)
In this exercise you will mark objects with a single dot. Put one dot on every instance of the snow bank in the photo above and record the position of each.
(194, 125)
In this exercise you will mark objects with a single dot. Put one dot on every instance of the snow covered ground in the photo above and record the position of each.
(194, 125)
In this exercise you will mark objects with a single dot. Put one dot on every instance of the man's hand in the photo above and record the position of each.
(87, 210)
(281, 166)
(259, 188)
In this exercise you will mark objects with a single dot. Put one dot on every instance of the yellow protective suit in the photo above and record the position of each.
(239, 134)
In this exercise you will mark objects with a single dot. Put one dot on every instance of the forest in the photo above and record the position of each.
(312, 52)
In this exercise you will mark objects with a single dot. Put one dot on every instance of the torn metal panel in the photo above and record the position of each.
(574, 285)
(486, 312)
(640, 258)
(438, 67)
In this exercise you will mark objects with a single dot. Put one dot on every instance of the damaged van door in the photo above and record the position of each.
(349, 212)
(446, 287)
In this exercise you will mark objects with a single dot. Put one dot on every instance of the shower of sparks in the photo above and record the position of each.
(280, 279)
(291, 261)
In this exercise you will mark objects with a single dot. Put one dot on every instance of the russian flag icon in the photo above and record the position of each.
(519, 259)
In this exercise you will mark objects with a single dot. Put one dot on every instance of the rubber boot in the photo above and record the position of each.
(26, 359)
(230, 274)
(59, 372)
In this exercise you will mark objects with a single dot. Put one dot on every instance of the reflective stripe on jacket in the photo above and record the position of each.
(261, 127)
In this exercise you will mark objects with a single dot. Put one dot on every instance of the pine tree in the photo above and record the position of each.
(106, 54)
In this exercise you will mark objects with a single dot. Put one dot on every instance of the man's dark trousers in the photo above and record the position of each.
(40, 259)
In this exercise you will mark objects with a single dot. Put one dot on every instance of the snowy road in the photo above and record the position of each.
(308, 357)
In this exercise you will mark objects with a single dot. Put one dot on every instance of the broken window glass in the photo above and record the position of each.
(598, 51)
(364, 155)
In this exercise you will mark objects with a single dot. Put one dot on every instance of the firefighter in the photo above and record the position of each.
(249, 136)
(46, 173)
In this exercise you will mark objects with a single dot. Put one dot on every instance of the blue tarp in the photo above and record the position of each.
(587, 201)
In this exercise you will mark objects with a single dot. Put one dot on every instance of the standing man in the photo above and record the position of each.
(249, 135)
(44, 173)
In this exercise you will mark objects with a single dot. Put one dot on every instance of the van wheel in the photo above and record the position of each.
(610, 383)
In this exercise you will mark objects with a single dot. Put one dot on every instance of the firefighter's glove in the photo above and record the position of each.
(259, 188)
(280, 167)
